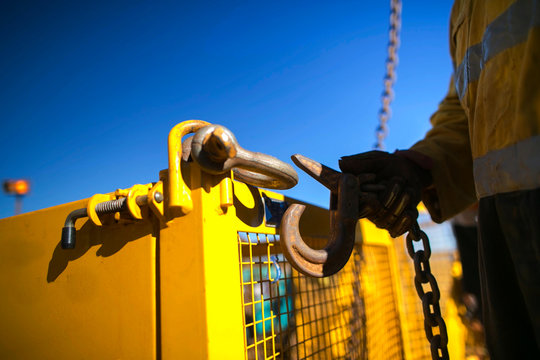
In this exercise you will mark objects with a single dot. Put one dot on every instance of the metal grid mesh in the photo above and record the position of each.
(382, 314)
(351, 315)
(290, 316)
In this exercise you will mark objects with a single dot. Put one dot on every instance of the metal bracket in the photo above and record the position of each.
(216, 150)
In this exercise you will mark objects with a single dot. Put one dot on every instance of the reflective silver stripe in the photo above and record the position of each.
(509, 29)
(516, 167)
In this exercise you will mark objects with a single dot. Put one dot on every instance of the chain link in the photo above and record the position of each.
(391, 63)
(430, 298)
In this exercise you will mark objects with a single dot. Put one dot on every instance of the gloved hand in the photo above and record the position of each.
(397, 182)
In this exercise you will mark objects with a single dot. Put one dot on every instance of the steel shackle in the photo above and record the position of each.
(343, 218)
(216, 150)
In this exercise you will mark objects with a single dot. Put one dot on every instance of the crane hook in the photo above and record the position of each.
(344, 190)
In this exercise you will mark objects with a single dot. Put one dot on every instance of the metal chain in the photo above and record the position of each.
(430, 299)
(389, 79)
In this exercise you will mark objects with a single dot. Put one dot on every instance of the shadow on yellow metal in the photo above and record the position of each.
(211, 283)
(97, 301)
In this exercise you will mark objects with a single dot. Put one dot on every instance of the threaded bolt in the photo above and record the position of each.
(111, 206)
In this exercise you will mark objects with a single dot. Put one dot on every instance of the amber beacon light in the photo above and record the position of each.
(19, 188)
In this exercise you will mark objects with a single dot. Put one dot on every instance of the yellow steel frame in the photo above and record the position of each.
(198, 285)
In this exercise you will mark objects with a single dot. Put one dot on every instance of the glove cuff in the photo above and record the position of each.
(424, 161)
(421, 163)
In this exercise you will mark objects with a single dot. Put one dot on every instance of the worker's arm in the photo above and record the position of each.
(448, 145)
(437, 169)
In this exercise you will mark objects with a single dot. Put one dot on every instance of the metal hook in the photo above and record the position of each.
(343, 218)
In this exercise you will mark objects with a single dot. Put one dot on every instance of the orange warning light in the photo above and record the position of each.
(17, 187)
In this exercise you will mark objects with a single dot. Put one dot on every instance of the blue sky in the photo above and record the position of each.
(90, 90)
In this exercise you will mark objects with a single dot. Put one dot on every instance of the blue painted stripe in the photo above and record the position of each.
(508, 30)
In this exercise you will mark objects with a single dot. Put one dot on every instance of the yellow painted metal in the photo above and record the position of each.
(95, 302)
(203, 285)
(134, 192)
(226, 193)
(131, 195)
(200, 299)
(457, 332)
(386, 338)
(101, 299)
(156, 207)
(91, 206)
(179, 193)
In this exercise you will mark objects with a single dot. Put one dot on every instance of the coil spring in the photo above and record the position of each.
(112, 206)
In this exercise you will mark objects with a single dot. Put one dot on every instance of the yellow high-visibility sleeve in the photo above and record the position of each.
(447, 143)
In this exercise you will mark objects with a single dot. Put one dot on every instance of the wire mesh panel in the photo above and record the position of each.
(330, 316)
(383, 323)
(266, 301)
(411, 307)
(368, 310)
(290, 316)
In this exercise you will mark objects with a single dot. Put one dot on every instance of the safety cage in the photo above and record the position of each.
(209, 281)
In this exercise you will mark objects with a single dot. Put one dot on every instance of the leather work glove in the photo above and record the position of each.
(396, 179)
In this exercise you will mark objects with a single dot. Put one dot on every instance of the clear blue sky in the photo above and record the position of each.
(90, 90)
